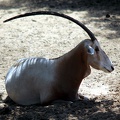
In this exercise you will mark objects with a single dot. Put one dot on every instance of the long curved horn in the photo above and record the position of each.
(55, 14)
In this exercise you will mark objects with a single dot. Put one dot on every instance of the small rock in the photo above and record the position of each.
(107, 15)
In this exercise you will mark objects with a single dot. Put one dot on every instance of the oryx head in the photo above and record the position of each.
(97, 58)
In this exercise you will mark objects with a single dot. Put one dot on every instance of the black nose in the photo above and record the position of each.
(112, 67)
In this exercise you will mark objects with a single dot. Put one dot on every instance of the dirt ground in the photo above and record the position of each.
(49, 36)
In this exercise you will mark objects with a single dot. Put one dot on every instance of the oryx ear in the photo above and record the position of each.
(90, 50)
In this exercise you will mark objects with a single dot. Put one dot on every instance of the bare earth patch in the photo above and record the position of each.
(49, 36)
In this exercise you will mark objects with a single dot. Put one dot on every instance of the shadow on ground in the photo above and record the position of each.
(90, 110)
(62, 4)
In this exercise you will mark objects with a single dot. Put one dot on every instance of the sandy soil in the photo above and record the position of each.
(49, 36)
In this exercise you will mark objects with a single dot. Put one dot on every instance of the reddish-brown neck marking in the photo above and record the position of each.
(72, 68)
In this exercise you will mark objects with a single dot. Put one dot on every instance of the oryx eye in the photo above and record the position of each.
(96, 49)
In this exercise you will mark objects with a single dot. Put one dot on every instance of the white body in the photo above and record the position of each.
(31, 79)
